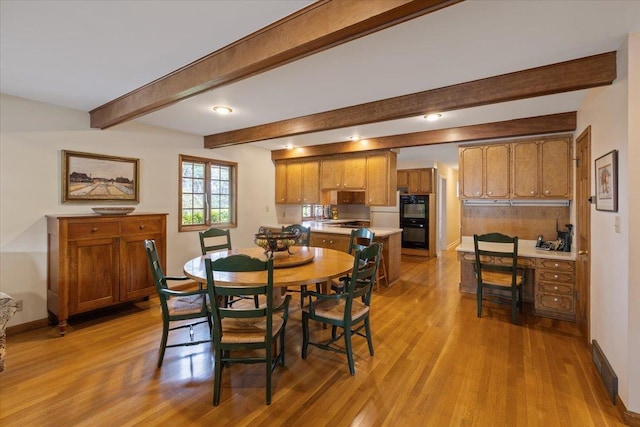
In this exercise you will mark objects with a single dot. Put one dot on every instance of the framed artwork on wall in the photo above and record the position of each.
(90, 177)
(607, 182)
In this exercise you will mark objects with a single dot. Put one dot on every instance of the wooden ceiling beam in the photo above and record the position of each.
(577, 74)
(553, 123)
(317, 27)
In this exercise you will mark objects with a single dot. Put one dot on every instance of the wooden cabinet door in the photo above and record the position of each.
(525, 170)
(311, 182)
(338, 242)
(426, 181)
(414, 181)
(281, 182)
(556, 168)
(93, 274)
(471, 172)
(136, 280)
(496, 173)
(378, 185)
(294, 183)
(331, 174)
(354, 173)
(403, 178)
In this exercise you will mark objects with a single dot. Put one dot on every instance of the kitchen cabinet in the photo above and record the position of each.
(298, 182)
(416, 181)
(349, 198)
(100, 261)
(484, 172)
(381, 179)
(555, 289)
(527, 169)
(542, 169)
(343, 173)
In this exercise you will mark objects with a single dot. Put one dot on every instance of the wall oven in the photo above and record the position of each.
(414, 221)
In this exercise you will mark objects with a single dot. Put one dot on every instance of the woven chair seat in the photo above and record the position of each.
(185, 305)
(334, 309)
(249, 330)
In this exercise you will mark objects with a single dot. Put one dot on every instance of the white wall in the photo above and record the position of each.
(452, 231)
(32, 136)
(612, 112)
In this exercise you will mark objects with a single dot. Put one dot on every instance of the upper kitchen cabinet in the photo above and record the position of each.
(298, 182)
(542, 169)
(484, 171)
(416, 181)
(524, 169)
(346, 173)
(381, 179)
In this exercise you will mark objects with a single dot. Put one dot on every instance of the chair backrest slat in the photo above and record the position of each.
(365, 267)
(304, 233)
(222, 239)
(489, 246)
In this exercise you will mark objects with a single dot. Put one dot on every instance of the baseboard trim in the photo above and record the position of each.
(28, 326)
(632, 419)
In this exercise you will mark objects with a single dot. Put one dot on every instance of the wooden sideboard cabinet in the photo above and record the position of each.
(97, 261)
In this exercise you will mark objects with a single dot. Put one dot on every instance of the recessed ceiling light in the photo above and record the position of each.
(433, 117)
(288, 146)
(355, 138)
(220, 109)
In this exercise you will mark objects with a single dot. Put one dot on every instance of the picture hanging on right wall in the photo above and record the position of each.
(607, 182)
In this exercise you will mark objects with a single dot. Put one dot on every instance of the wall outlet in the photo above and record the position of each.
(19, 305)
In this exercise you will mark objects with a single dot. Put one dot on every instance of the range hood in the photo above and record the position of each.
(516, 202)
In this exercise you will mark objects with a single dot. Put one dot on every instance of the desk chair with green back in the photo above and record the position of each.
(505, 277)
(240, 329)
(348, 310)
(360, 239)
(216, 239)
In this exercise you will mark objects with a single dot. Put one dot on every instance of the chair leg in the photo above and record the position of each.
(367, 329)
(163, 342)
(514, 306)
(349, 349)
(269, 371)
(303, 289)
(479, 296)
(217, 376)
(305, 334)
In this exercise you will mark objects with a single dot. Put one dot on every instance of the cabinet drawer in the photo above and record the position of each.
(556, 276)
(522, 262)
(92, 230)
(140, 225)
(559, 288)
(555, 264)
(554, 302)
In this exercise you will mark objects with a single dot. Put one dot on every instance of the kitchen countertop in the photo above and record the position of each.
(526, 248)
(332, 226)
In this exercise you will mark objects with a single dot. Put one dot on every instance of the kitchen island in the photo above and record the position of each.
(335, 234)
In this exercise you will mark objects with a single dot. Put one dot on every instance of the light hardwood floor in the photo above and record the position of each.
(435, 364)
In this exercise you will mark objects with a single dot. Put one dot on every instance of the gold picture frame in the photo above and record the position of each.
(88, 177)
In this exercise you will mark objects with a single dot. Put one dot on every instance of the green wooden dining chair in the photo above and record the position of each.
(360, 238)
(217, 239)
(303, 238)
(177, 306)
(236, 329)
(348, 310)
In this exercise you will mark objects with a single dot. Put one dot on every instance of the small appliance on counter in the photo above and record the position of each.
(562, 243)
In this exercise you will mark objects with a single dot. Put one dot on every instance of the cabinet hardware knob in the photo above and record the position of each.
(555, 276)
(556, 264)
(533, 192)
(141, 226)
(490, 193)
(94, 229)
(547, 192)
(555, 299)
(555, 288)
(583, 252)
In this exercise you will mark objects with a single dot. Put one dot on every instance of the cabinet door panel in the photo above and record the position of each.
(471, 165)
(497, 171)
(136, 280)
(331, 174)
(354, 173)
(403, 178)
(556, 168)
(93, 274)
(377, 181)
(294, 183)
(281, 182)
(311, 182)
(525, 170)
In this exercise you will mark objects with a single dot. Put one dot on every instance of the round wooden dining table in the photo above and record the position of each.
(304, 266)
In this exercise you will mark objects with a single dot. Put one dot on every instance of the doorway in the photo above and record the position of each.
(442, 214)
(583, 226)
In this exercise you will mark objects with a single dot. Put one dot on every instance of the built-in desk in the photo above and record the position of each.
(549, 277)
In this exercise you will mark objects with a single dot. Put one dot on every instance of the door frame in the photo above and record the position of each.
(583, 227)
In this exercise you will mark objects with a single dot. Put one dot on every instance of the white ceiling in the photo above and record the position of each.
(82, 54)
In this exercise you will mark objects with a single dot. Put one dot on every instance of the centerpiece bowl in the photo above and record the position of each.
(275, 241)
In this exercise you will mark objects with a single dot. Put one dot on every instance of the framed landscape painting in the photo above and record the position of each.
(607, 182)
(90, 177)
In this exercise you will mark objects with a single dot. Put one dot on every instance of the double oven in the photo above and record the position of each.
(414, 221)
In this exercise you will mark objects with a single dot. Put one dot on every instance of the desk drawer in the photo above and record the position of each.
(560, 304)
(555, 276)
(554, 264)
(92, 230)
(557, 288)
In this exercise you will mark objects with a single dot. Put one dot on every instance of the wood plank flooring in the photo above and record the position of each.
(435, 364)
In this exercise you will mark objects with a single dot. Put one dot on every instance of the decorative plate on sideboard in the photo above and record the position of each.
(114, 210)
